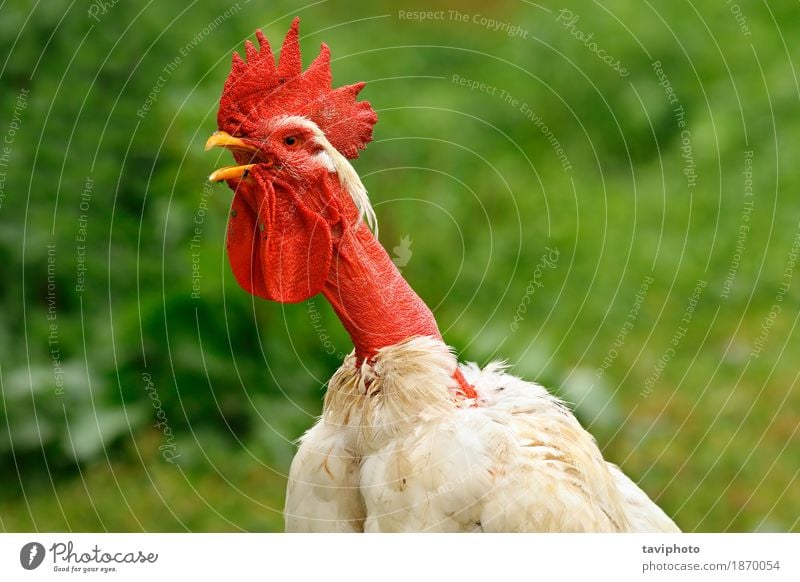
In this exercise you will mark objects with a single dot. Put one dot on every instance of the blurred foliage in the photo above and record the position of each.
(178, 411)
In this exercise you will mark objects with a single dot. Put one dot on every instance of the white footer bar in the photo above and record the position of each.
(406, 557)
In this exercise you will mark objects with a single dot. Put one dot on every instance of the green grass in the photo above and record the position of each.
(137, 490)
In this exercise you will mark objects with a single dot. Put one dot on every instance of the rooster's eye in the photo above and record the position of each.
(290, 140)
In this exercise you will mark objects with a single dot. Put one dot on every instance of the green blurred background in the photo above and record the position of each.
(136, 402)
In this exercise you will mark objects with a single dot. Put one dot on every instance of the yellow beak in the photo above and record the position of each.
(225, 140)
(230, 172)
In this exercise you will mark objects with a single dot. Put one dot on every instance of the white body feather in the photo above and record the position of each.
(397, 449)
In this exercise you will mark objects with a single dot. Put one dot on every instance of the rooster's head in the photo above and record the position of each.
(295, 192)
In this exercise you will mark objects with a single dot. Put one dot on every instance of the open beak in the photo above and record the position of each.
(223, 139)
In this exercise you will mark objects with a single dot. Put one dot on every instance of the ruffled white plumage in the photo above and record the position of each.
(397, 449)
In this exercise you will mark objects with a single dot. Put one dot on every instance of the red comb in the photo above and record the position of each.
(258, 90)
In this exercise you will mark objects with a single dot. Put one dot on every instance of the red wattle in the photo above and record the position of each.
(279, 247)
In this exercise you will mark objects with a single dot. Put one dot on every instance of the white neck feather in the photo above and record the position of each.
(351, 182)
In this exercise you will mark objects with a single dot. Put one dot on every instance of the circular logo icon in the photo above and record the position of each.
(31, 555)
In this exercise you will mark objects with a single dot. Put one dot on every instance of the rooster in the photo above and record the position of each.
(408, 439)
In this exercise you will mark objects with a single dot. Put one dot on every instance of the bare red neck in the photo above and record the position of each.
(376, 305)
